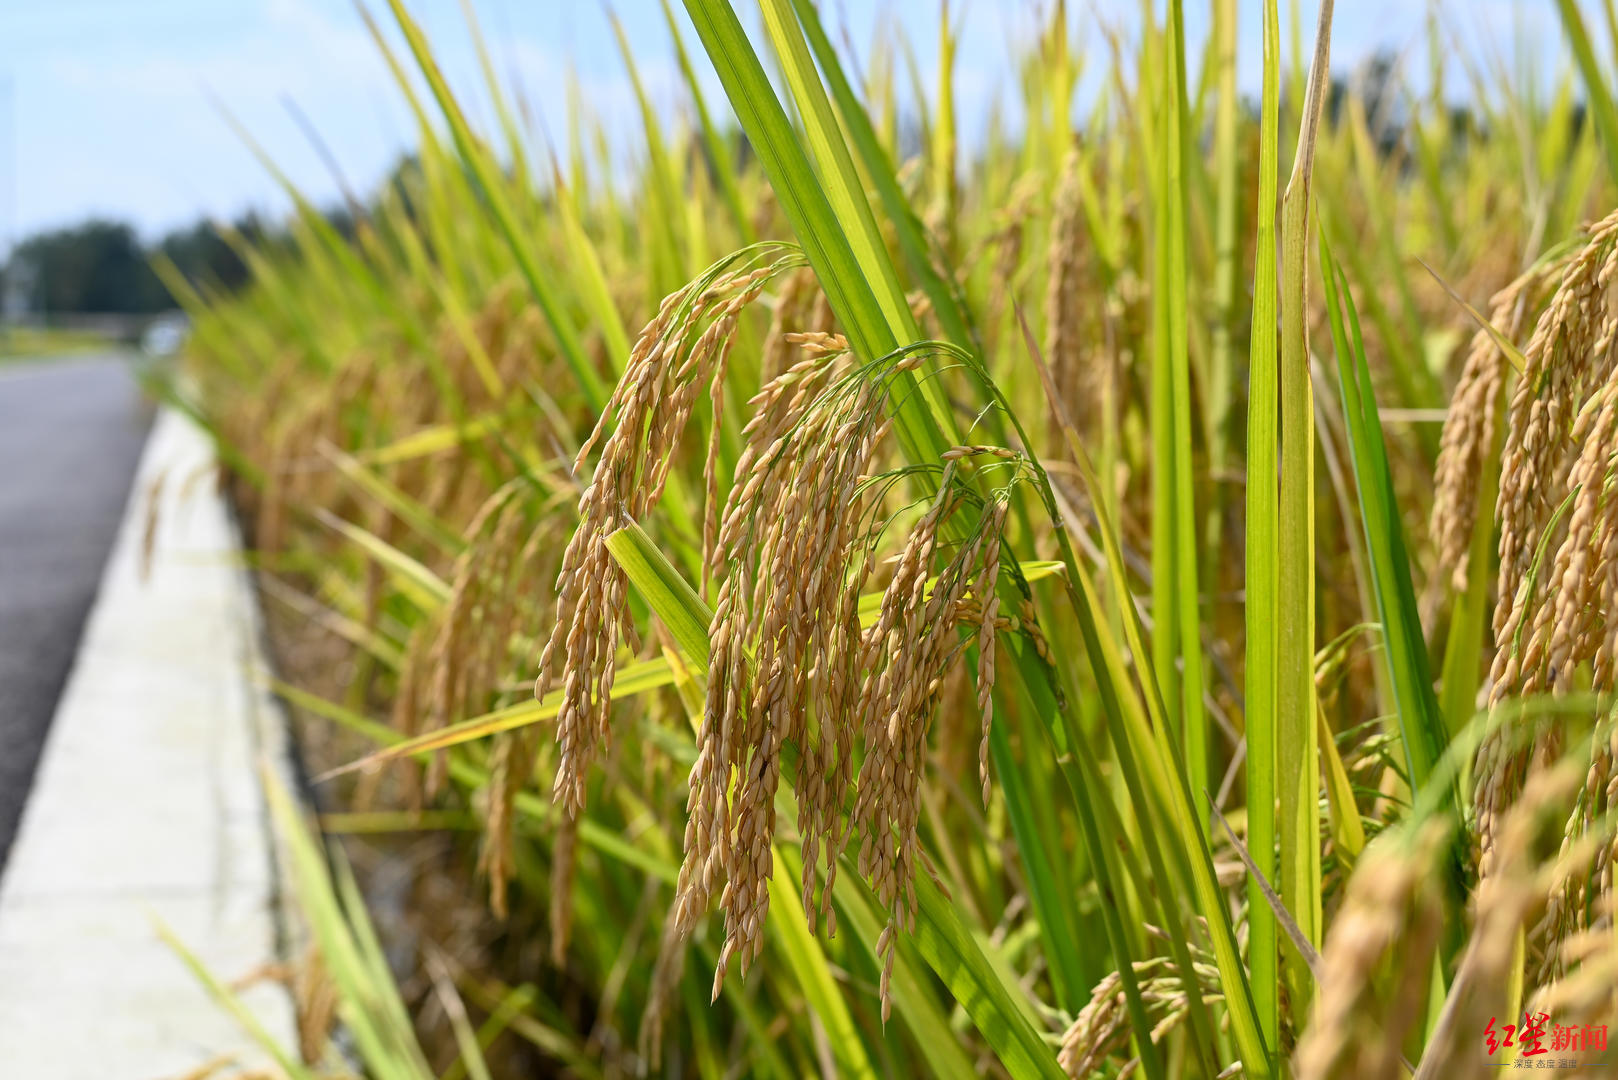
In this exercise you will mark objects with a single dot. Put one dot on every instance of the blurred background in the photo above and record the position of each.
(130, 129)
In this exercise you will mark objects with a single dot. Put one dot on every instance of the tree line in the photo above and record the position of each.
(103, 267)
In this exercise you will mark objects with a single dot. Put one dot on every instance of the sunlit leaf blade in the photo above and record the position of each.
(1263, 550)
(1420, 720)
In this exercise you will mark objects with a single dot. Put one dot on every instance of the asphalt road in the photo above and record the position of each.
(70, 436)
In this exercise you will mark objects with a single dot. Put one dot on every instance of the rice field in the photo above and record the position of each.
(1135, 597)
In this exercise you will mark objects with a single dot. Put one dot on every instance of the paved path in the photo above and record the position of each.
(147, 808)
(70, 435)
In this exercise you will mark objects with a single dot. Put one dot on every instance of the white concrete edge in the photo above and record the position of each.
(148, 804)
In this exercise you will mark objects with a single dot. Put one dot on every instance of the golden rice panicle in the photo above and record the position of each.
(1505, 761)
(1568, 627)
(788, 661)
(1570, 352)
(1102, 1031)
(793, 311)
(894, 649)
(1387, 929)
(1574, 939)
(453, 682)
(681, 349)
(989, 601)
(1064, 288)
(497, 860)
(784, 552)
(496, 320)
(1102, 1026)
(421, 694)
(667, 972)
(1503, 904)
(907, 656)
(819, 626)
(1586, 992)
(507, 560)
(1587, 853)
(315, 1000)
(564, 853)
(1561, 363)
(1469, 431)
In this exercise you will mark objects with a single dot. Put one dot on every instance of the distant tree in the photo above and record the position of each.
(203, 256)
(102, 266)
(99, 266)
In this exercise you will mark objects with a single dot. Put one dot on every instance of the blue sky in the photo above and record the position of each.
(112, 107)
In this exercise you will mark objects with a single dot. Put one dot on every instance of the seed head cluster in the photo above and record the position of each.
(782, 641)
(1377, 961)
(1471, 427)
(1558, 550)
(1102, 1029)
(795, 678)
(681, 350)
(1502, 907)
(1082, 387)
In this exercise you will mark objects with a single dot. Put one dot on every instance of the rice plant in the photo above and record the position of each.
(951, 658)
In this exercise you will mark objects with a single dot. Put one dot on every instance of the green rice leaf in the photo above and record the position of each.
(1420, 720)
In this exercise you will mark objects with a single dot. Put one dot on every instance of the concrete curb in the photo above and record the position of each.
(148, 805)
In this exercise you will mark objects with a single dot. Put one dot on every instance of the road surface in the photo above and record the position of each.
(71, 431)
